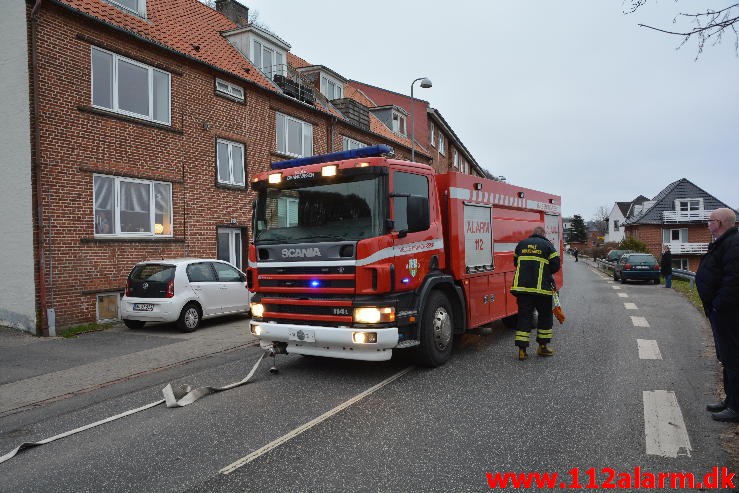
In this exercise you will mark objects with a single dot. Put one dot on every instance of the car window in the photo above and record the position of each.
(153, 272)
(226, 273)
(201, 272)
(642, 258)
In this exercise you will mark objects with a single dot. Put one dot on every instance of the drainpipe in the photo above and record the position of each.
(41, 328)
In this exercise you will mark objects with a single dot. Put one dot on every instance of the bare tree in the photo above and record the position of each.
(600, 220)
(705, 27)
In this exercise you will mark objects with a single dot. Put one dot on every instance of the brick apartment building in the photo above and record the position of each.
(132, 128)
(676, 216)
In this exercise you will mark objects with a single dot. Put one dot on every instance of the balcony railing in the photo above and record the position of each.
(685, 216)
(688, 248)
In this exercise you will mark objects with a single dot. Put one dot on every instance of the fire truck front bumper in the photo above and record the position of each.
(332, 342)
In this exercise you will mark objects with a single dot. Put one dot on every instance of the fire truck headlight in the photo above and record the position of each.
(374, 315)
(256, 330)
(364, 337)
(328, 170)
(275, 178)
(257, 310)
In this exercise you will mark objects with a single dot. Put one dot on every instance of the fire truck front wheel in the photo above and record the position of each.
(437, 331)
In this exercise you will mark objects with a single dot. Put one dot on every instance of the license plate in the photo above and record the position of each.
(642, 267)
(302, 335)
(143, 307)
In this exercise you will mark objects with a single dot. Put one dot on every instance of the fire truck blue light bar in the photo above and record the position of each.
(371, 151)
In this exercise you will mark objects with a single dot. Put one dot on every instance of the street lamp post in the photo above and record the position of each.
(425, 83)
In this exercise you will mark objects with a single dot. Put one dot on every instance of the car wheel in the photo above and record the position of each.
(189, 320)
(623, 279)
(133, 324)
(615, 277)
(437, 332)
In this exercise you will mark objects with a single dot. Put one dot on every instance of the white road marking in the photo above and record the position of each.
(300, 429)
(664, 427)
(630, 306)
(616, 287)
(648, 349)
(639, 321)
(623, 295)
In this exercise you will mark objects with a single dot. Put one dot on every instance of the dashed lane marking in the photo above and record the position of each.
(616, 287)
(300, 429)
(664, 427)
(639, 321)
(648, 349)
(630, 306)
(623, 295)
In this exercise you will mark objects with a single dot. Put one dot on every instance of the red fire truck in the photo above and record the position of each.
(355, 254)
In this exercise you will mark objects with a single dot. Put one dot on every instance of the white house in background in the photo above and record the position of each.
(619, 213)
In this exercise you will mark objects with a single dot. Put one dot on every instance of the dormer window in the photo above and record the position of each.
(331, 88)
(137, 7)
(268, 59)
(398, 123)
(265, 50)
(688, 205)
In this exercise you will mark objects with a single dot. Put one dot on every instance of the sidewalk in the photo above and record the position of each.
(34, 369)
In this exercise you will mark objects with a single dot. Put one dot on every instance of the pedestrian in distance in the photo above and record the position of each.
(666, 265)
(575, 253)
(536, 261)
(717, 280)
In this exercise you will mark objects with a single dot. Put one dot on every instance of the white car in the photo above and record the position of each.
(183, 290)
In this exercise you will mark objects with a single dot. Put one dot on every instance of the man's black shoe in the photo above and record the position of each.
(727, 414)
(716, 408)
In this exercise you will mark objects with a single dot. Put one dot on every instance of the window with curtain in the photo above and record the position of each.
(129, 207)
(129, 87)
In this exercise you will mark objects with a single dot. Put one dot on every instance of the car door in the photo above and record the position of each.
(204, 282)
(232, 284)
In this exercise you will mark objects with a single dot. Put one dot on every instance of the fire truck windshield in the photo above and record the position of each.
(310, 213)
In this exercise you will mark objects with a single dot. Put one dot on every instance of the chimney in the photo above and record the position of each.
(236, 12)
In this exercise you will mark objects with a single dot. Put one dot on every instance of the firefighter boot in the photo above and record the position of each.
(522, 354)
(543, 350)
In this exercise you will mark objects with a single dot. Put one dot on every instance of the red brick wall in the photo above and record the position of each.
(651, 235)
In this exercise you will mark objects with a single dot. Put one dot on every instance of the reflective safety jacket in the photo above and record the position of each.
(536, 261)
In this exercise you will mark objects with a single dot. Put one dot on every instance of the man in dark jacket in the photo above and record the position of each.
(717, 280)
(666, 266)
(536, 261)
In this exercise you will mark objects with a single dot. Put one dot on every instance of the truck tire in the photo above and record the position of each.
(189, 320)
(437, 332)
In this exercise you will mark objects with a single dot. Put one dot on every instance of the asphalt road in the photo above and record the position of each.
(427, 430)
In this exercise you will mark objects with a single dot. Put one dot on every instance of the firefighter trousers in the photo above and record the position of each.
(527, 304)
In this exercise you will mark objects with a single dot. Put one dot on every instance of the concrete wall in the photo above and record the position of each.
(17, 289)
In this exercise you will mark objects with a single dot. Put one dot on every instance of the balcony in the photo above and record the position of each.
(688, 248)
(685, 216)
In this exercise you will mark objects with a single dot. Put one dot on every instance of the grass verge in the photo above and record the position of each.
(82, 329)
(682, 286)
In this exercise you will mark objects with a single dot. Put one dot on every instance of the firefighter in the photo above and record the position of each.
(536, 260)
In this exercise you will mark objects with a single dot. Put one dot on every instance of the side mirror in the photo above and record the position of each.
(418, 214)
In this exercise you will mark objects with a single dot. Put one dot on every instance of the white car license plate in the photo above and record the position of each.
(302, 335)
(642, 267)
(143, 307)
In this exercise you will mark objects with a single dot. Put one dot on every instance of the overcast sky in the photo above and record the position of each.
(570, 97)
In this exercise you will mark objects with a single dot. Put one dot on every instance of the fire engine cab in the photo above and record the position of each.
(355, 254)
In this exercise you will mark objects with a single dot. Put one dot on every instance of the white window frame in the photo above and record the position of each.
(306, 136)
(115, 97)
(682, 235)
(235, 245)
(432, 134)
(228, 89)
(349, 144)
(231, 145)
(140, 7)
(331, 88)
(117, 180)
(277, 58)
(679, 203)
(442, 150)
(455, 159)
(683, 263)
(396, 127)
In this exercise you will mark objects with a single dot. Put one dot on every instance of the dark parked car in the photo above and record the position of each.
(614, 255)
(637, 266)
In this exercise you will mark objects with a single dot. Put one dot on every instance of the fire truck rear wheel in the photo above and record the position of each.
(437, 331)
